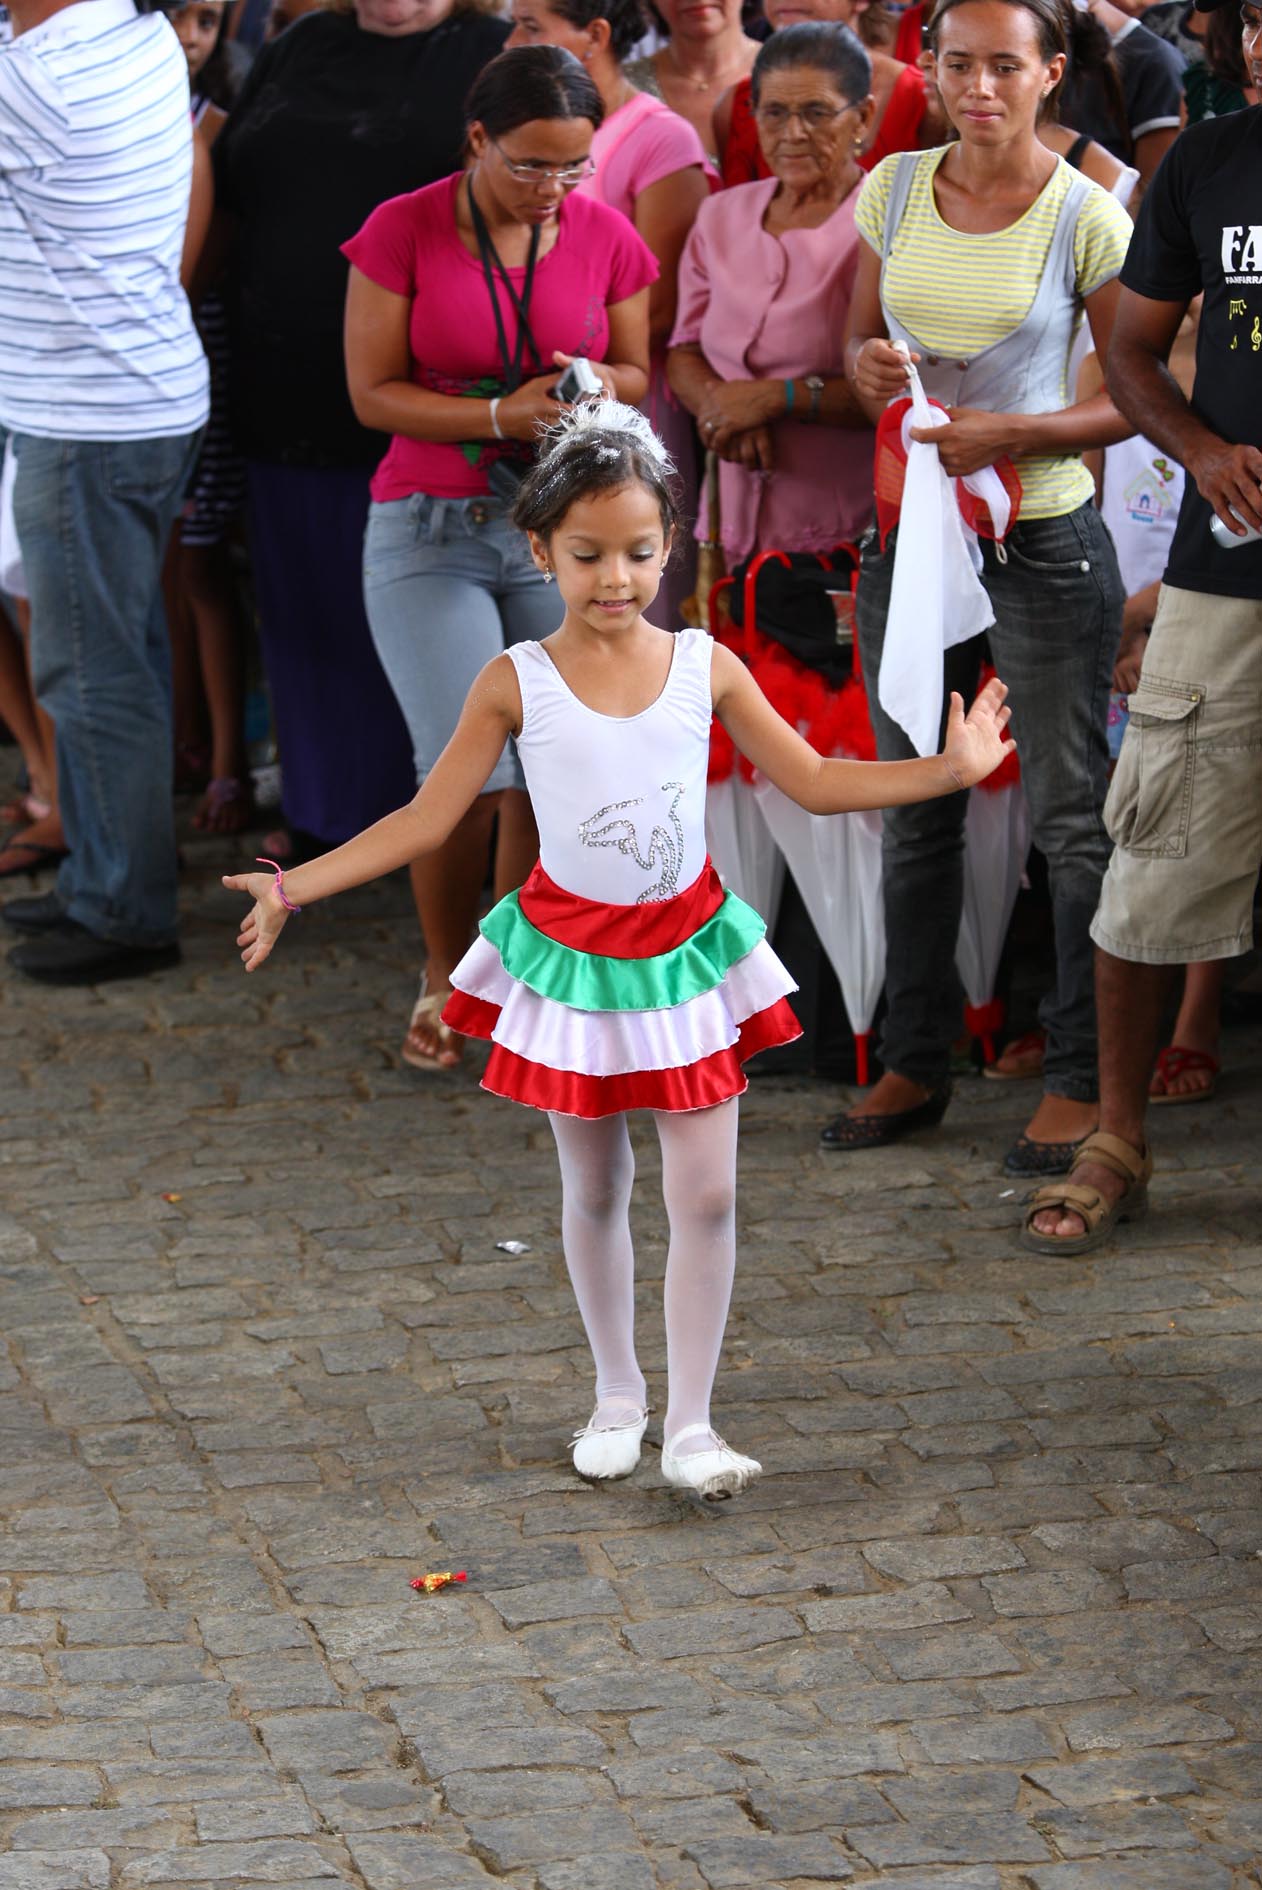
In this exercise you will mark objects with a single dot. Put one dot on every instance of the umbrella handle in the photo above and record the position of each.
(862, 1073)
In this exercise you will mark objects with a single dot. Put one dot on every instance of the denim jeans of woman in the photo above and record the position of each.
(449, 584)
(93, 518)
(1057, 597)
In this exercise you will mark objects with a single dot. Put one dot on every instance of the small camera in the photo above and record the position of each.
(577, 382)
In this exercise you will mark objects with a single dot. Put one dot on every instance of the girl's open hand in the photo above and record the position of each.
(264, 922)
(976, 743)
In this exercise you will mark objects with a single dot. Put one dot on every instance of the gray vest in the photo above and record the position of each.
(1025, 372)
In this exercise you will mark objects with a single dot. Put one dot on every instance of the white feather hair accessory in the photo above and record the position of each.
(589, 418)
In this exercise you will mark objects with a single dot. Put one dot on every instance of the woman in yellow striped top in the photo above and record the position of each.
(982, 257)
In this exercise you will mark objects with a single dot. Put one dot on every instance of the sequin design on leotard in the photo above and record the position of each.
(665, 852)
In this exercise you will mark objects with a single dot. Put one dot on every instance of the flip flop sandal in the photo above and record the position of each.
(427, 1011)
(1030, 1048)
(1030, 1158)
(1100, 1216)
(1175, 1061)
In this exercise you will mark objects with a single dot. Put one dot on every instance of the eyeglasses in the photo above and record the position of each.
(539, 174)
(815, 117)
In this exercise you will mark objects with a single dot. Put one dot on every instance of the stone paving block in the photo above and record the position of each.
(443, 1752)
(939, 1557)
(238, 1634)
(788, 1812)
(1134, 1873)
(618, 1870)
(1149, 1775)
(1113, 1544)
(55, 1870)
(692, 1772)
(1008, 1739)
(1047, 1591)
(74, 1593)
(555, 1601)
(1064, 1685)
(288, 1816)
(81, 1829)
(336, 1740)
(405, 1861)
(927, 1604)
(1001, 1837)
(760, 1859)
(541, 1838)
(712, 1631)
(1108, 1728)
(1110, 1828)
(265, 1686)
(822, 1571)
(801, 1761)
(24, 1787)
(271, 1860)
(945, 1656)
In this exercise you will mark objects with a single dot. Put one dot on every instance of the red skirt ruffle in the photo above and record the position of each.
(697, 1085)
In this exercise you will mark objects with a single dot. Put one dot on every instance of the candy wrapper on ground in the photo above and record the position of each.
(430, 1584)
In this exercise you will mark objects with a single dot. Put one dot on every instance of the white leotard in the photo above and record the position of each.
(620, 800)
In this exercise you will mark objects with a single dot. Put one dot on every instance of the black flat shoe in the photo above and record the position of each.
(846, 1132)
(73, 955)
(40, 912)
(1026, 1158)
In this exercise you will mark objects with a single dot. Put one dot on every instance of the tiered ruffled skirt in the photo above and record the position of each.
(593, 1009)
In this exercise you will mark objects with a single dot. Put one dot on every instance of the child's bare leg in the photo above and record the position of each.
(597, 1170)
(206, 584)
(18, 709)
(699, 1188)
(188, 702)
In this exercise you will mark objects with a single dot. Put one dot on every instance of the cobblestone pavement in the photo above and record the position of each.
(990, 1622)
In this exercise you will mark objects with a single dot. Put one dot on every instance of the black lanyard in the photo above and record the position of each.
(491, 267)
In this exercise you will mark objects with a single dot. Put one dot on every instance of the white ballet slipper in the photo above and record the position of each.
(714, 1474)
(602, 1451)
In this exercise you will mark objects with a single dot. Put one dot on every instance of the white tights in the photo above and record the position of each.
(699, 1189)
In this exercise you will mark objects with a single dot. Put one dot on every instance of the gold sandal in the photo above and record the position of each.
(427, 1015)
(1131, 1165)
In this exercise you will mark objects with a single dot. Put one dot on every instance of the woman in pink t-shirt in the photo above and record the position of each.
(467, 300)
(650, 164)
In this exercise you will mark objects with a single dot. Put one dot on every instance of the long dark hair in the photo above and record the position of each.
(531, 82)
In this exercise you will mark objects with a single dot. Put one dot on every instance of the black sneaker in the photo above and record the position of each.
(73, 955)
(41, 912)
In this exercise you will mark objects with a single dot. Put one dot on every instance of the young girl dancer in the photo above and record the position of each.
(621, 976)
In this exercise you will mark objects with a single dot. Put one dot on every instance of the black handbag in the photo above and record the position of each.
(792, 605)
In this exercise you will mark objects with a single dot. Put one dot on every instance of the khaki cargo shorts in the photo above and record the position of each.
(1185, 806)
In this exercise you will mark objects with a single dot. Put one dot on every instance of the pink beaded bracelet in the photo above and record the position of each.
(279, 888)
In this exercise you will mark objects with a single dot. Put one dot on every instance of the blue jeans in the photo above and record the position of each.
(93, 518)
(449, 584)
(1058, 601)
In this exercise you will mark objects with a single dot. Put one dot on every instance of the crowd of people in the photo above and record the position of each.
(281, 326)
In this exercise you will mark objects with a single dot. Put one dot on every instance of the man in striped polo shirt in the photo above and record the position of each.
(104, 388)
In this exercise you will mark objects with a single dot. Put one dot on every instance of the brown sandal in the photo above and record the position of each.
(1131, 1165)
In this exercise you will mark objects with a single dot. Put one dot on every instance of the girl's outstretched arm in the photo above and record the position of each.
(492, 712)
(975, 745)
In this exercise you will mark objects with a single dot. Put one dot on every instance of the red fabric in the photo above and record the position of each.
(890, 475)
(910, 35)
(899, 129)
(643, 931)
(697, 1085)
(1008, 773)
(471, 1016)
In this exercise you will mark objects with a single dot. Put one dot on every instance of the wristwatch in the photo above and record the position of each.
(816, 386)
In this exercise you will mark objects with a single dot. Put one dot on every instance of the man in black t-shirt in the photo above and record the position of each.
(1185, 807)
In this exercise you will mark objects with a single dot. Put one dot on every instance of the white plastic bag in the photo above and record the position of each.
(936, 599)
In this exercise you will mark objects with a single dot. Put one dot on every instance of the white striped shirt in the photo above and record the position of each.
(97, 341)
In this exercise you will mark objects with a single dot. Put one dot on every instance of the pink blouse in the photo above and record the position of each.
(764, 307)
(636, 147)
